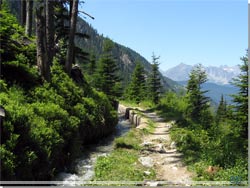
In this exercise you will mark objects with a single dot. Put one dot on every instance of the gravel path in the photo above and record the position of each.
(159, 148)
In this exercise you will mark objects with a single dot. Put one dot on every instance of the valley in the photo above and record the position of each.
(77, 106)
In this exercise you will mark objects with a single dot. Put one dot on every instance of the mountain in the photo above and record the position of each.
(125, 56)
(215, 91)
(220, 75)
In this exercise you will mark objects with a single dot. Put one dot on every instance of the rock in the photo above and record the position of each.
(147, 173)
(160, 148)
(145, 143)
(146, 161)
(174, 168)
(173, 145)
(145, 152)
(152, 184)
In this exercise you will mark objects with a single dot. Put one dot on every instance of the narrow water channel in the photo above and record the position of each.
(84, 166)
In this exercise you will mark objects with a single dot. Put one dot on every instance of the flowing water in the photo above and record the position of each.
(84, 166)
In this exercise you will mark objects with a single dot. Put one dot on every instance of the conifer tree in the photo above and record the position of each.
(71, 45)
(136, 88)
(29, 15)
(198, 102)
(221, 113)
(241, 99)
(154, 81)
(92, 63)
(107, 79)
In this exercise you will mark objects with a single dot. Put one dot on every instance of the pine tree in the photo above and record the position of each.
(45, 32)
(136, 88)
(221, 113)
(42, 51)
(198, 102)
(92, 64)
(107, 79)
(154, 81)
(241, 99)
(70, 51)
(29, 15)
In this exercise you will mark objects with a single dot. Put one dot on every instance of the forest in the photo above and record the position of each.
(56, 97)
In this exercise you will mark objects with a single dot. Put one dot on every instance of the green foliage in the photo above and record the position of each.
(221, 113)
(136, 89)
(204, 140)
(122, 164)
(154, 81)
(198, 108)
(241, 99)
(19, 72)
(172, 106)
(45, 127)
(107, 79)
(12, 39)
(92, 65)
(130, 141)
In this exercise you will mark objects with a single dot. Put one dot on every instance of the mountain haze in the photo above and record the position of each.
(220, 75)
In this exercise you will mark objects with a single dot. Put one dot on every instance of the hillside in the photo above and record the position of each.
(125, 56)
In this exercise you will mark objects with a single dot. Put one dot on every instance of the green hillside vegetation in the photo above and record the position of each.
(206, 138)
(46, 123)
(59, 95)
(124, 56)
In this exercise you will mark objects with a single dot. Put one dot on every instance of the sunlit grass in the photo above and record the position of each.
(122, 164)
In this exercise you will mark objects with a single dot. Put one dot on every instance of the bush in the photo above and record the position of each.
(19, 73)
(172, 107)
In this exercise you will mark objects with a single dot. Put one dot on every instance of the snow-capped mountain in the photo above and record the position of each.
(220, 75)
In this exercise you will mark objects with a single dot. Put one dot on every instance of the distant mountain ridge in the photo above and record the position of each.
(219, 75)
(215, 91)
(125, 56)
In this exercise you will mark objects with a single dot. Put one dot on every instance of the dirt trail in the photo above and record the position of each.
(162, 152)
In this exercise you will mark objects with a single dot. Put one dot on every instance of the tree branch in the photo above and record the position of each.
(86, 14)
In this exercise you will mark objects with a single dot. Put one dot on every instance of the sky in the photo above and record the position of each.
(211, 32)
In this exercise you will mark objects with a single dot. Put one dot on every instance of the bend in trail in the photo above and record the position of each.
(162, 152)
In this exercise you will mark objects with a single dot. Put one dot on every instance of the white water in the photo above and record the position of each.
(84, 166)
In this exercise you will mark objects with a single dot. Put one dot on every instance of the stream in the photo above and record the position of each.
(84, 166)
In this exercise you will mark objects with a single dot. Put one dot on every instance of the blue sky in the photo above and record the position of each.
(211, 32)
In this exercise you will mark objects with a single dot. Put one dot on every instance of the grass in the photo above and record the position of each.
(143, 104)
(122, 164)
(150, 128)
(131, 140)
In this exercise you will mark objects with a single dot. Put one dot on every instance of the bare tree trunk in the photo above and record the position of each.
(29, 15)
(23, 12)
(50, 30)
(42, 61)
(70, 51)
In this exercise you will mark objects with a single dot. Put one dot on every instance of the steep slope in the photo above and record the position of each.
(125, 56)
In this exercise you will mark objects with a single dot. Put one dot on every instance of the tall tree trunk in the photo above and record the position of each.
(23, 12)
(42, 61)
(70, 51)
(50, 30)
(29, 15)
